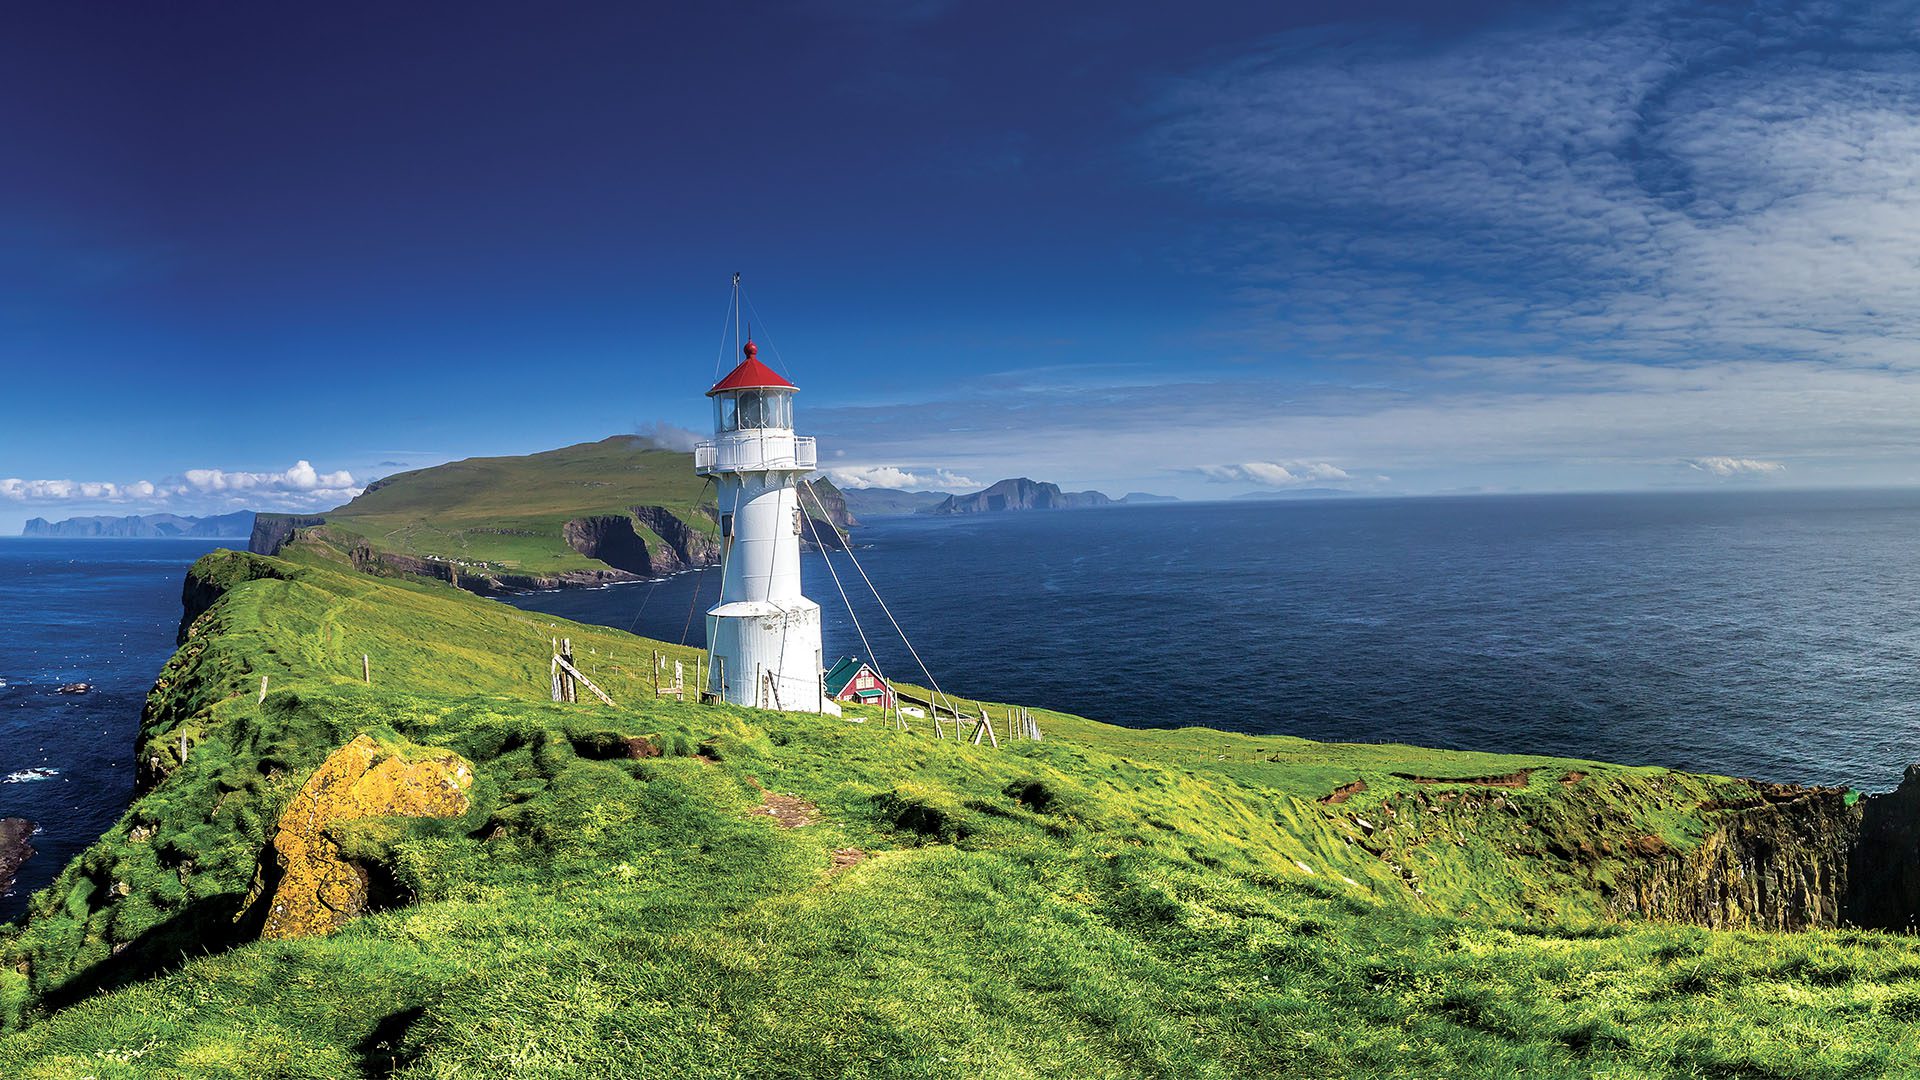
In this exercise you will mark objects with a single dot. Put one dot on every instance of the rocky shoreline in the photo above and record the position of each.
(15, 849)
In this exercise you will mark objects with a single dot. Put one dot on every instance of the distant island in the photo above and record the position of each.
(1135, 498)
(1017, 494)
(235, 526)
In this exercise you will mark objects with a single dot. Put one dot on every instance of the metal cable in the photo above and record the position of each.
(883, 606)
(826, 557)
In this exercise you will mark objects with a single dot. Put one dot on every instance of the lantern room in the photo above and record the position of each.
(752, 398)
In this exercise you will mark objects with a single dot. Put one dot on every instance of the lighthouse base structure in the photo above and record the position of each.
(767, 655)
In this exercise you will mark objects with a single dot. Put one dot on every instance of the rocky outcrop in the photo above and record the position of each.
(611, 539)
(1793, 858)
(1884, 868)
(830, 532)
(1779, 861)
(689, 546)
(313, 886)
(834, 502)
(1018, 494)
(14, 848)
(272, 531)
(484, 580)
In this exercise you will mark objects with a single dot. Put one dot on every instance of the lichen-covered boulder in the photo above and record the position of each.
(318, 888)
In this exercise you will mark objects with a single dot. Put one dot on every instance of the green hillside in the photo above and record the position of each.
(786, 895)
(577, 515)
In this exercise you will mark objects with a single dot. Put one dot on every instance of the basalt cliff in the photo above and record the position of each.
(1017, 494)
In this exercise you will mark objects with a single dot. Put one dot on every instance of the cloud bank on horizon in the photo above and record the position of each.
(301, 487)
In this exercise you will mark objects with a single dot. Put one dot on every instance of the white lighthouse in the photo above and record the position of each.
(764, 634)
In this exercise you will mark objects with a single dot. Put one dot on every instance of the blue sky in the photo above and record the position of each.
(260, 255)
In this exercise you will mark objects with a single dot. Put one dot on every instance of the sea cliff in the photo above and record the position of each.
(1017, 494)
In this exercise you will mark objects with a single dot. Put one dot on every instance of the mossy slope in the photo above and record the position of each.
(1105, 902)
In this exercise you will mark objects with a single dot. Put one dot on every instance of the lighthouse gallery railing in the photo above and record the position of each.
(750, 451)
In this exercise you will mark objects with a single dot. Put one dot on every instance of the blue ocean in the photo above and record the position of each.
(97, 611)
(1774, 635)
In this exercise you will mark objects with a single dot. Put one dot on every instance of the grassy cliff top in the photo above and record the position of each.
(789, 895)
(509, 512)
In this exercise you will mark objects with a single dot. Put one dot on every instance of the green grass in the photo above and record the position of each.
(505, 514)
(1107, 902)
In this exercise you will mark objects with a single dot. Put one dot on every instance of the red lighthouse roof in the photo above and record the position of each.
(751, 375)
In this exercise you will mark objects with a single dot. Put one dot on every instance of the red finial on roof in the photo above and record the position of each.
(751, 374)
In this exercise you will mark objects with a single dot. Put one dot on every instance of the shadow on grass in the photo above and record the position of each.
(202, 928)
(385, 1051)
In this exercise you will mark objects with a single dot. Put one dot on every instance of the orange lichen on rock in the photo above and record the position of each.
(318, 888)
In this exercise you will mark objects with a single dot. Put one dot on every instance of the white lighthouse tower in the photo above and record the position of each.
(764, 634)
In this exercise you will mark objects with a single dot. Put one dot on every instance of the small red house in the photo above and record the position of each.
(856, 681)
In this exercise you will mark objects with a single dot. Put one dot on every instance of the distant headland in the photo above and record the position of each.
(235, 526)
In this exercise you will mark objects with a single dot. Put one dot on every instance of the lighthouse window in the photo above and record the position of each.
(750, 409)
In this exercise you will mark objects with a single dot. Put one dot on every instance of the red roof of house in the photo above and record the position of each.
(751, 375)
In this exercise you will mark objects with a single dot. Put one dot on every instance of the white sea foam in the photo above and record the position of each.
(27, 776)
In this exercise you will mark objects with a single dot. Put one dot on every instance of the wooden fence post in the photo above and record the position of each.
(366, 669)
(263, 690)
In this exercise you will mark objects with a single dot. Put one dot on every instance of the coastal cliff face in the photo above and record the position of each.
(1883, 872)
(687, 547)
(1793, 858)
(1018, 494)
(272, 531)
(1776, 861)
(484, 582)
(613, 539)
(14, 848)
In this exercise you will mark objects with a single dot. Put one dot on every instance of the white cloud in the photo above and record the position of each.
(300, 487)
(887, 476)
(302, 477)
(57, 490)
(1729, 467)
(668, 436)
(1273, 473)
